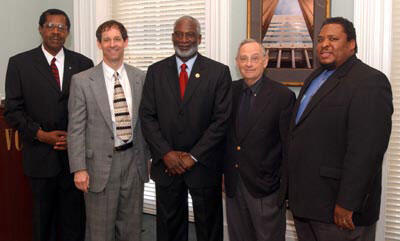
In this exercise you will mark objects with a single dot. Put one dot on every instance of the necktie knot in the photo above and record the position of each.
(53, 61)
(183, 67)
(116, 75)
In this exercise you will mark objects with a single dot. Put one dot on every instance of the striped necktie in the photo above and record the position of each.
(54, 70)
(123, 120)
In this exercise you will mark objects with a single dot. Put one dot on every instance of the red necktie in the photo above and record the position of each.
(183, 80)
(54, 70)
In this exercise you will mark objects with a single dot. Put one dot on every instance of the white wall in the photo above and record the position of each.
(20, 20)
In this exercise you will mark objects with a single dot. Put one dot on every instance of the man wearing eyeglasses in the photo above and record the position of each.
(37, 90)
(255, 149)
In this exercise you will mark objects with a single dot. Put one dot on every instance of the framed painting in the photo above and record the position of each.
(288, 30)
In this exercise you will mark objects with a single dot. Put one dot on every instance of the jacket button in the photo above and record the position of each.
(236, 165)
(238, 148)
(109, 156)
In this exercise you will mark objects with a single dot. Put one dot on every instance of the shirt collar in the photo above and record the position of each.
(255, 87)
(109, 72)
(189, 63)
(59, 56)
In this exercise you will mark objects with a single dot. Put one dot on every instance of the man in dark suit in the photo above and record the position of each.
(37, 89)
(339, 133)
(185, 109)
(255, 148)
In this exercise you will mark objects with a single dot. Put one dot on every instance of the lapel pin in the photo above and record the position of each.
(197, 75)
(69, 67)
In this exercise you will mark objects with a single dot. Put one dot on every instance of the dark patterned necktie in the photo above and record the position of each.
(123, 120)
(54, 70)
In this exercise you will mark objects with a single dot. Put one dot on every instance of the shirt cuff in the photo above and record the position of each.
(195, 160)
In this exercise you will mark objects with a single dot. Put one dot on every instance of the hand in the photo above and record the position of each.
(187, 160)
(81, 179)
(61, 144)
(343, 218)
(56, 138)
(174, 163)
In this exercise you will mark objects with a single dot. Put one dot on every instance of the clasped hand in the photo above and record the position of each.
(178, 162)
(57, 138)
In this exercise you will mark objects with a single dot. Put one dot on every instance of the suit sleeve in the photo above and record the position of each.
(77, 114)
(216, 131)
(15, 113)
(148, 116)
(369, 126)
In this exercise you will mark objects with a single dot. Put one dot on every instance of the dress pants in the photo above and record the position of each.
(172, 212)
(115, 214)
(309, 230)
(57, 205)
(258, 219)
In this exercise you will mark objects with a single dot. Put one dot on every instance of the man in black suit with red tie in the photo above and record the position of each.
(37, 89)
(185, 109)
(255, 149)
(339, 133)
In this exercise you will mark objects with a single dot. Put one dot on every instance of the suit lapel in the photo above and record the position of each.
(98, 85)
(307, 83)
(135, 93)
(173, 79)
(69, 69)
(260, 103)
(196, 76)
(236, 92)
(43, 67)
(330, 84)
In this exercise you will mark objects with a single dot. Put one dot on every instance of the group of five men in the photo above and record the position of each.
(93, 129)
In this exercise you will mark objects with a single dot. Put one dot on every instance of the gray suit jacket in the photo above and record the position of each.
(90, 133)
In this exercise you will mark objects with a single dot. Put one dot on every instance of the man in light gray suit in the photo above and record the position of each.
(107, 152)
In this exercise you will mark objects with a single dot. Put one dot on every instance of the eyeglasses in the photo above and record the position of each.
(189, 35)
(60, 27)
(254, 59)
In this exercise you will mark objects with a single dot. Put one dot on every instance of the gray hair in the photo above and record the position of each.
(191, 19)
(250, 40)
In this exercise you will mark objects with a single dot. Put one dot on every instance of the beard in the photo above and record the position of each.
(186, 54)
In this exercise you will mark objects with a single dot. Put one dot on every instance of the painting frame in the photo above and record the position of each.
(287, 76)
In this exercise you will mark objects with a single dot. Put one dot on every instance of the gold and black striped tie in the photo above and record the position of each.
(122, 118)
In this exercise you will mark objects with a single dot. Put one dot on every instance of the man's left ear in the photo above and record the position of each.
(266, 61)
(353, 45)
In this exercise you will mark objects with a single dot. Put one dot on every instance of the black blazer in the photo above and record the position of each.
(257, 155)
(33, 101)
(196, 125)
(336, 150)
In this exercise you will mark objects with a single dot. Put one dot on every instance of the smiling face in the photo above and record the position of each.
(333, 48)
(112, 44)
(54, 32)
(186, 39)
(251, 62)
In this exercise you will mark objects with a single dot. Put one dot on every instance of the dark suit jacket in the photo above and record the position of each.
(33, 101)
(196, 125)
(257, 155)
(336, 150)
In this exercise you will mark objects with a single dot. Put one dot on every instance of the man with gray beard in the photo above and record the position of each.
(185, 109)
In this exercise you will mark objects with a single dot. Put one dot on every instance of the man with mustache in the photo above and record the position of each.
(37, 90)
(339, 133)
(185, 109)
